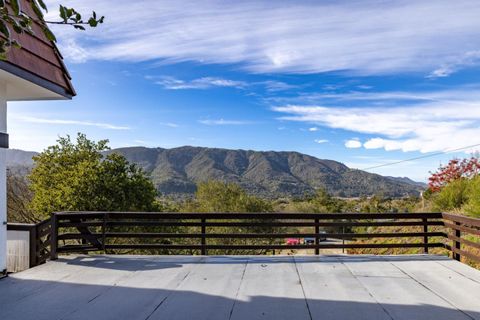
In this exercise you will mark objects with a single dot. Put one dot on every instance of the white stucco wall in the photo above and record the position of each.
(3, 181)
(18, 251)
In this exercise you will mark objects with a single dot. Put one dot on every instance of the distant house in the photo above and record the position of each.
(34, 72)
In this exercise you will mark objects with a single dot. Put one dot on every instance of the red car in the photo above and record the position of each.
(292, 241)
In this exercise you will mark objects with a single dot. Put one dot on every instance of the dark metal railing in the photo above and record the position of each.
(39, 240)
(459, 229)
(200, 232)
(204, 233)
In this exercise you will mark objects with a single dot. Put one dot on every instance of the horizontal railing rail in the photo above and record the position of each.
(201, 233)
(463, 231)
(39, 240)
(204, 232)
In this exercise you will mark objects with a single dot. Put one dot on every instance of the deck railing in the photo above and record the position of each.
(207, 233)
(462, 231)
(201, 233)
(39, 240)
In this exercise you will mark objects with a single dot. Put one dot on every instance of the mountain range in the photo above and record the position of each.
(176, 172)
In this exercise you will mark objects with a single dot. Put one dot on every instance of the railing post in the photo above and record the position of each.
(104, 226)
(317, 234)
(204, 239)
(54, 240)
(457, 243)
(33, 246)
(425, 237)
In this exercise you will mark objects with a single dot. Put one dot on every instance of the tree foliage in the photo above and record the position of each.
(18, 199)
(454, 170)
(73, 176)
(218, 196)
(13, 20)
(456, 187)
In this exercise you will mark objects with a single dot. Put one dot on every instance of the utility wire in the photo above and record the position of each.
(420, 157)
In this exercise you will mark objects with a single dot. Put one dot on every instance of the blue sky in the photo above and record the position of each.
(362, 82)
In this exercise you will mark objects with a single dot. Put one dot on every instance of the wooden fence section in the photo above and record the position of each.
(460, 229)
(204, 233)
(39, 240)
(199, 232)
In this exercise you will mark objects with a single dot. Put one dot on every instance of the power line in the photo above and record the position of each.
(420, 157)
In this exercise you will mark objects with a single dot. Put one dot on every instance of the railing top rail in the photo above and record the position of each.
(238, 215)
(462, 219)
(13, 226)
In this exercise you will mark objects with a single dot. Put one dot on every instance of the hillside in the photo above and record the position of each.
(269, 174)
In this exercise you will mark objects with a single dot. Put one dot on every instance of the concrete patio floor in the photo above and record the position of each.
(234, 287)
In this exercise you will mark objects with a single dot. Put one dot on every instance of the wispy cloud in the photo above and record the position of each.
(320, 141)
(70, 122)
(223, 122)
(407, 121)
(169, 124)
(313, 129)
(172, 83)
(275, 86)
(470, 58)
(300, 37)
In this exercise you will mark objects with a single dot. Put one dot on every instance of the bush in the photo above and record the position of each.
(452, 196)
(472, 207)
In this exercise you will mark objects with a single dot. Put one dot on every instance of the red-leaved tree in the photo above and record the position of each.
(454, 170)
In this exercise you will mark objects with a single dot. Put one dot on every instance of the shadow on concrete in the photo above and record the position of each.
(145, 262)
(23, 299)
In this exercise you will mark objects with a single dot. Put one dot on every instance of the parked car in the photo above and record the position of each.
(309, 241)
(322, 237)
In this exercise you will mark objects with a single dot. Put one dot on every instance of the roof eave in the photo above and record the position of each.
(22, 73)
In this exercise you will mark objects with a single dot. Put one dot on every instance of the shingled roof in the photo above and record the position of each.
(38, 60)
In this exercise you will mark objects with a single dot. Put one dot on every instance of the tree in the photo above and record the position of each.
(18, 199)
(77, 177)
(455, 187)
(12, 17)
(454, 170)
(218, 196)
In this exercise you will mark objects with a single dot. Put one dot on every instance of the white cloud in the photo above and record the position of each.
(171, 83)
(72, 51)
(313, 129)
(359, 37)
(222, 122)
(353, 144)
(70, 122)
(470, 58)
(275, 86)
(407, 121)
(321, 141)
(364, 87)
(169, 124)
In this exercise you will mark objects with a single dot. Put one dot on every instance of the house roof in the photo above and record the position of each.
(38, 60)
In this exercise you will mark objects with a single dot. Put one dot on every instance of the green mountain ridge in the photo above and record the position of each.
(269, 174)
(176, 172)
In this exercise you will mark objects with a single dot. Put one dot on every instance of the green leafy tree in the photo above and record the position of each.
(472, 205)
(19, 197)
(218, 196)
(73, 176)
(323, 202)
(13, 19)
(452, 196)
